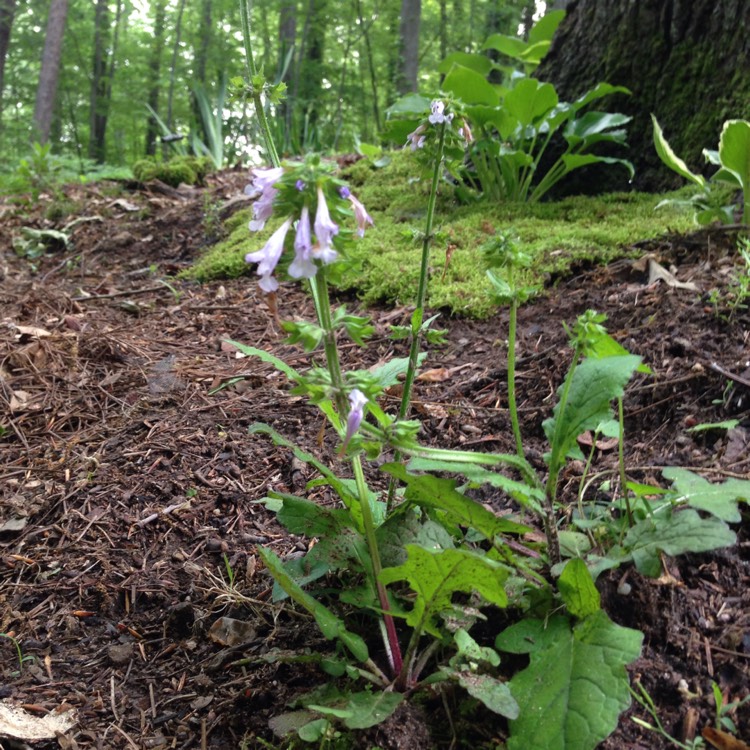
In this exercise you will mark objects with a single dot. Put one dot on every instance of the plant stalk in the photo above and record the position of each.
(418, 317)
(621, 461)
(256, 95)
(323, 309)
(512, 407)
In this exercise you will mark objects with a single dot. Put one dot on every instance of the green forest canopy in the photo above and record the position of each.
(340, 74)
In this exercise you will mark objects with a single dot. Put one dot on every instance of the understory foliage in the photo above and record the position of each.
(408, 582)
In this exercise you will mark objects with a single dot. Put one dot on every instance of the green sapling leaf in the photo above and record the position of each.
(368, 709)
(496, 695)
(664, 150)
(279, 364)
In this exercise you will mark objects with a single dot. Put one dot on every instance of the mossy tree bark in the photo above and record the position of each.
(683, 60)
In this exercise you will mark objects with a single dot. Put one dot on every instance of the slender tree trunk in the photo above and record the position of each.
(443, 29)
(201, 60)
(47, 89)
(104, 63)
(7, 13)
(286, 66)
(370, 64)
(406, 80)
(155, 75)
(310, 62)
(173, 66)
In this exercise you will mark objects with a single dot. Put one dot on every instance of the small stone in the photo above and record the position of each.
(120, 654)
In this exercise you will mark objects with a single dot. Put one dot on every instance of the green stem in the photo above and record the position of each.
(621, 461)
(418, 317)
(512, 408)
(323, 309)
(256, 95)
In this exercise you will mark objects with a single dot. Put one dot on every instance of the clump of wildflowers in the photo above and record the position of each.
(298, 191)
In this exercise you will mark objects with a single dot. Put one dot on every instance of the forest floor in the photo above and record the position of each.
(128, 477)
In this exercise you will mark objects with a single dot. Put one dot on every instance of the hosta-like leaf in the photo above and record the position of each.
(530, 100)
(436, 576)
(575, 687)
(664, 150)
(471, 86)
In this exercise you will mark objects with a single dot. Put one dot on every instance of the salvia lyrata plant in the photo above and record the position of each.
(421, 563)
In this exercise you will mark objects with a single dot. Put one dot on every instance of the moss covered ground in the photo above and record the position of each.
(385, 264)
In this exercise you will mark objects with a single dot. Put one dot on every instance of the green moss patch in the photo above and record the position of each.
(558, 235)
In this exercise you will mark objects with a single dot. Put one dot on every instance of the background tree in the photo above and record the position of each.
(154, 84)
(680, 58)
(408, 46)
(7, 12)
(46, 92)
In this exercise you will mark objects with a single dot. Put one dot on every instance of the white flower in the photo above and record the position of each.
(263, 183)
(416, 138)
(437, 115)
(268, 257)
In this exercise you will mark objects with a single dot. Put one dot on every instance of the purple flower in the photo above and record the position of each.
(344, 191)
(268, 257)
(357, 399)
(302, 267)
(416, 138)
(361, 215)
(300, 185)
(263, 183)
(325, 230)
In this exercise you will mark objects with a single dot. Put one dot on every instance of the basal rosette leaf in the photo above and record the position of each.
(575, 687)
(436, 576)
(718, 499)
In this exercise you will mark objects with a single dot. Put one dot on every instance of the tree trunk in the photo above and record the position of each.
(103, 72)
(286, 66)
(406, 77)
(47, 89)
(173, 67)
(154, 75)
(309, 72)
(7, 12)
(683, 60)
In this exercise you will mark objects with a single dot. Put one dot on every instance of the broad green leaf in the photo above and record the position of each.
(489, 690)
(718, 499)
(600, 90)
(387, 374)
(410, 105)
(577, 589)
(544, 29)
(575, 161)
(289, 722)
(470, 86)
(734, 152)
(681, 532)
(530, 100)
(279, 364)
(429, 491)
(305, 517)
(664, 150)
(314, 731)
(404, 528)
(511, 46)
(330, 625)
(595, 383)
(575, 687)
(368, 709)
(436, 576)
(478, 63)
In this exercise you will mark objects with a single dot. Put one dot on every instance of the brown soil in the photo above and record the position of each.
(127, 475)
